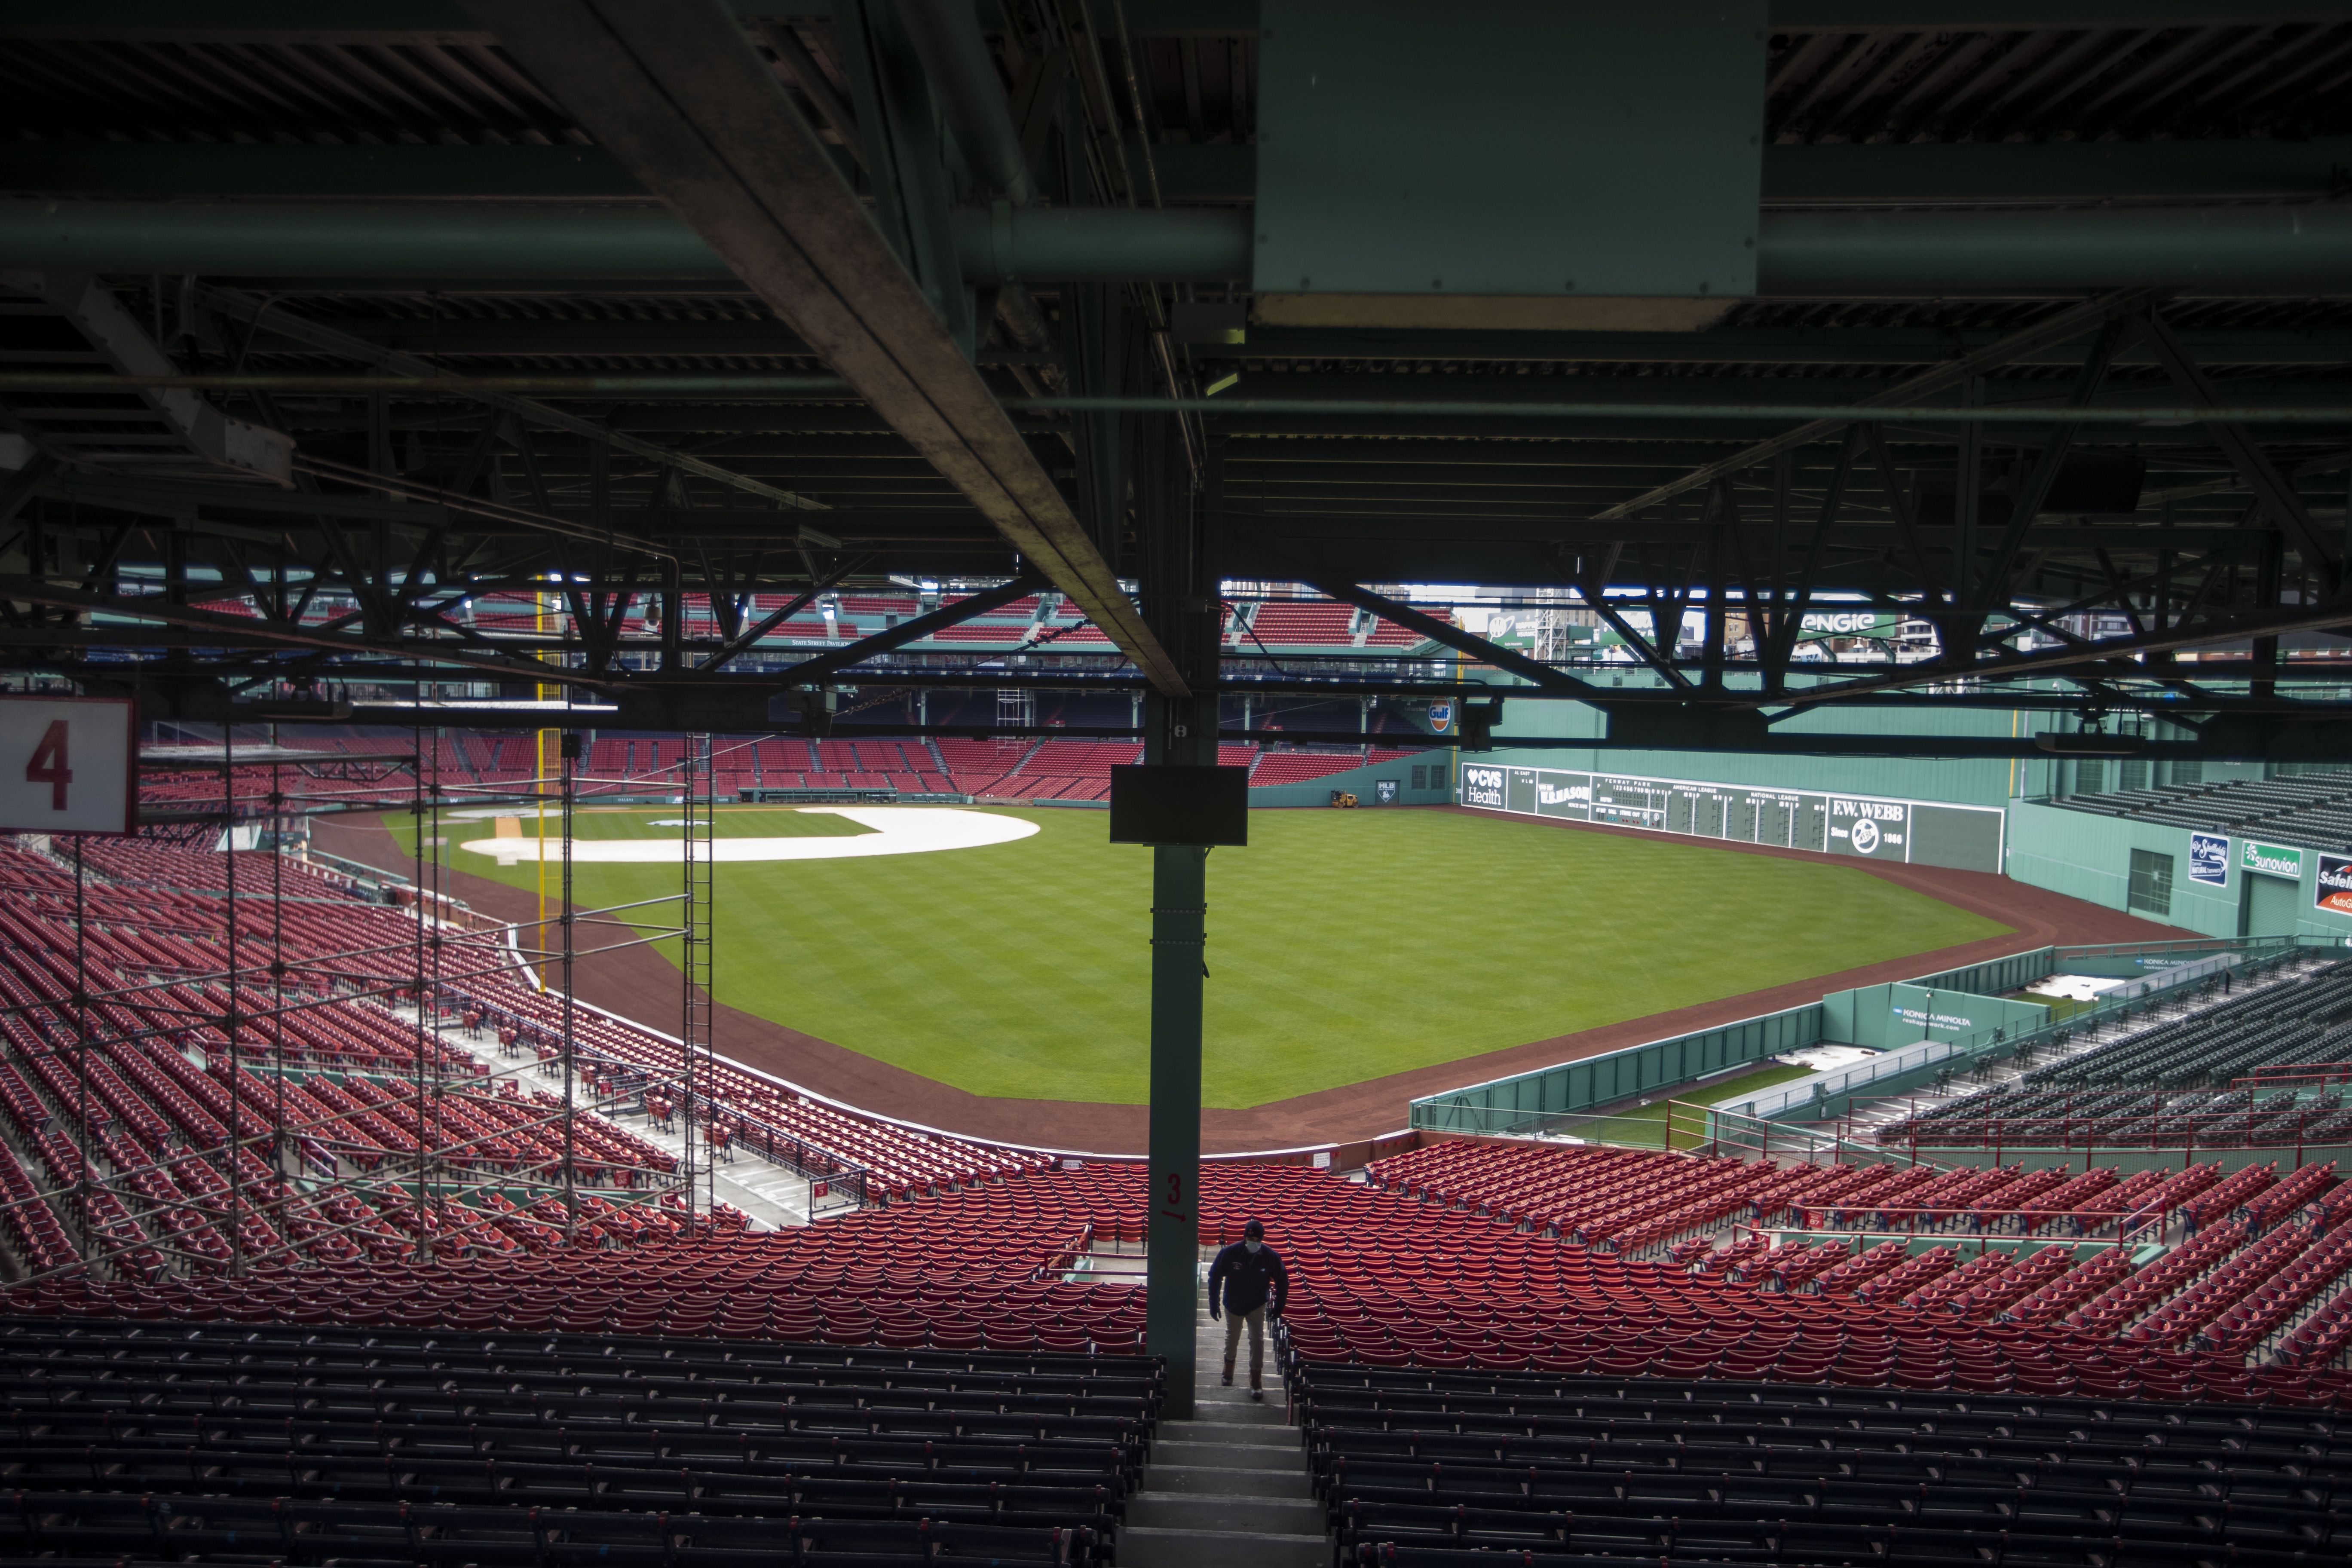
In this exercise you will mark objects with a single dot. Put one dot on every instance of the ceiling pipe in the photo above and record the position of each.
(946, 34)
(2299, 249)
(955, 55)
(1104, 244)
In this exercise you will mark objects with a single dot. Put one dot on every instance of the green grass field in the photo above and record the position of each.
(1342, 945)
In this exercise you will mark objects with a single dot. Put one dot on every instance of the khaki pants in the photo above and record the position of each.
(1255, 1317)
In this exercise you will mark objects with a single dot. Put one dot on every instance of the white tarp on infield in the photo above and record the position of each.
(898, 830)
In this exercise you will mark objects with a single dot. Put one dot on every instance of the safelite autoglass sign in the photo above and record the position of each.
(2334, 892)
(2269, 859)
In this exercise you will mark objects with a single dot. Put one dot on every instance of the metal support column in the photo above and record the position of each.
(90, 1248)
(229, 1020)
(1178, 929)
(419, 762)
(568, 764)
(694, 1038)
(1179, 605)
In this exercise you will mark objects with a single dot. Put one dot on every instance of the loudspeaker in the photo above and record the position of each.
(1478, 722)
(1179, 805)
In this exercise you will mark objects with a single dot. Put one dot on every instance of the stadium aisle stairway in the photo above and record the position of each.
(1230, 1486)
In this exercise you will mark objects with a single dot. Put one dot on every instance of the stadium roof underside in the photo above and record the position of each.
(326, 326)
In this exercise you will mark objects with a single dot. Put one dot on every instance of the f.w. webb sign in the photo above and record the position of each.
(68, 765)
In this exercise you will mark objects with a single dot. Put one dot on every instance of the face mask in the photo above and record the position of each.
(1251, 1247)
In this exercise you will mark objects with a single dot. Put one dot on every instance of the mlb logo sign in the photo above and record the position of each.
(2208, 859)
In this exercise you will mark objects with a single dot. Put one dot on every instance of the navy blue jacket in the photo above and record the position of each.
(1247, 1283)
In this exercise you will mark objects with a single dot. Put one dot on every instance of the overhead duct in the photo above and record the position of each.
(2304, 250)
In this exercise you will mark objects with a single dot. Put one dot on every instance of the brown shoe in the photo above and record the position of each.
(1229, 1374)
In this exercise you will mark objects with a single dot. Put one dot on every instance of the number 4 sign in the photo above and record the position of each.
(68, 765)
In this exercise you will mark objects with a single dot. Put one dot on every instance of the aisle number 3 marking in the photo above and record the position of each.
(48, 763)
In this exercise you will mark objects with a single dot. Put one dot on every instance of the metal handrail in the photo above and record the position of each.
(1826, 1216)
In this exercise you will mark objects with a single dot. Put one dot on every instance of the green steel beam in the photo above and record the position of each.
(2197, 250)
(393, 171)
(2315, 345)
(2004, 392)
(2041, 15)
(2299, 249)
(1961, 173)
(2297, 402)
(682, 98)
(446, 21)
(1901, 174)
(1924, 173)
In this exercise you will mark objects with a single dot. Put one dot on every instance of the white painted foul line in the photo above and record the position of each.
(897, 830)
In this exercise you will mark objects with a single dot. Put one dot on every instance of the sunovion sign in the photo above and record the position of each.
(2269, 859)
(2209, 858)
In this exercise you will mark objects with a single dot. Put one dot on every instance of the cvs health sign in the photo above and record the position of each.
(1482, 786)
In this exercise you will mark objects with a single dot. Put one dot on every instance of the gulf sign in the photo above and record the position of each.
(68, 765)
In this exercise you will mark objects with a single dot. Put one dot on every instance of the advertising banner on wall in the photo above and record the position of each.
(1964, 836)
(1482, 786)
(1564, 795)
(1878, 623)
(2333, 893)
(1878, 828)
(2208, 859)
(2271, 860)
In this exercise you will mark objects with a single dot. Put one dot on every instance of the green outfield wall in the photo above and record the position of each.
(1424, 779)
(2216, 884)
(1526, 1101)
(1943, 1027)
(1821, 821)
(1976, 782)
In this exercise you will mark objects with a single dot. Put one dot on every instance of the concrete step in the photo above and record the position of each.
(1143, 1546)
(1225, 1481)
(1211, 1454)
(1188, 1511)
(1269, 1416)
(1252, 1435)
(1207, 1388)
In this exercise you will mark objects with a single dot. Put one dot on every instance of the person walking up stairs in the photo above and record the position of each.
(1229, 1488)
(1255, 1285)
